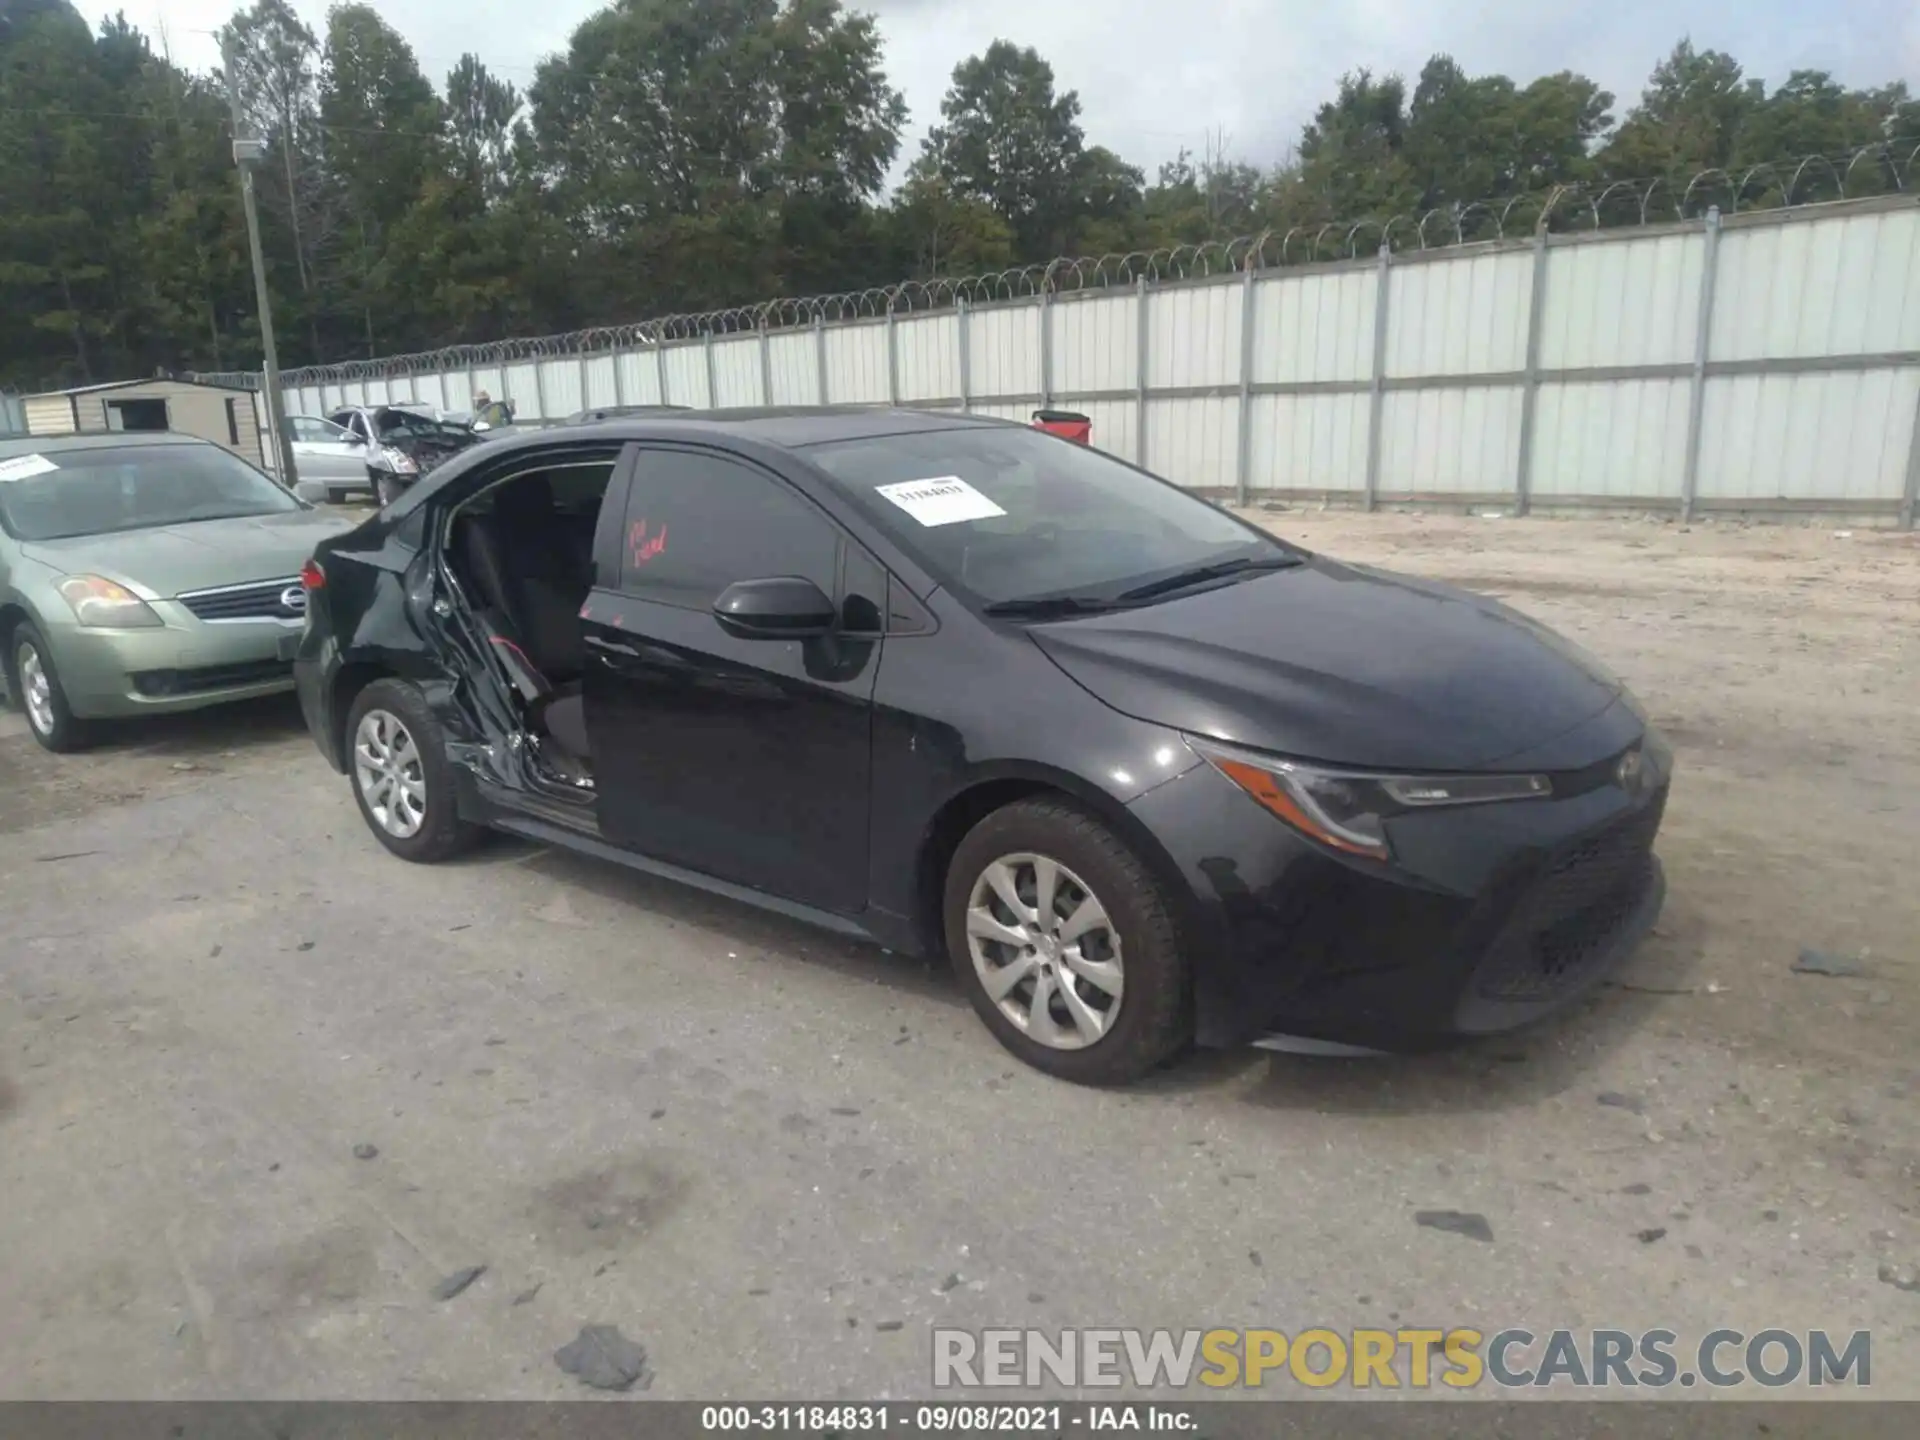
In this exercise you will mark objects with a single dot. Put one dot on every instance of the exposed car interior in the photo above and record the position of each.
(521, 552)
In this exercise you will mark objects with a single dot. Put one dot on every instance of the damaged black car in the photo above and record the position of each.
(1145, 773)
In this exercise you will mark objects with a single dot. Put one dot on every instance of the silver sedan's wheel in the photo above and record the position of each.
(36, 690)
(388, 770)
(1045, 950)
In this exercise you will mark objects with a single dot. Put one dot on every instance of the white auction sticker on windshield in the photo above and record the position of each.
(25, 467)
(942, 500)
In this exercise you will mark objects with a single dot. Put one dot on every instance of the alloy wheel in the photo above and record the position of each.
(36, 690)
(386, 767)
(1045, 950)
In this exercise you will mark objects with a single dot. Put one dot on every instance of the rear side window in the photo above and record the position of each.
(697, 523)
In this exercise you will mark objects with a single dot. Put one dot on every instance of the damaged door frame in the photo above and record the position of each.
(500, 765)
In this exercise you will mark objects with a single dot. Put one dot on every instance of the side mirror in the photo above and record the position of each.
(785, 607)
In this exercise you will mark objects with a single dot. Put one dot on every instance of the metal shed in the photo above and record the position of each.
(226, 415)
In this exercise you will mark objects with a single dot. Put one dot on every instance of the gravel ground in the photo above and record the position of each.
(775, 1159)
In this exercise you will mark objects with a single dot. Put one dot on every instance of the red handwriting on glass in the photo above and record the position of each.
(642, 547)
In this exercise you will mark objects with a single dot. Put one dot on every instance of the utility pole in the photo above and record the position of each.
(246, 155)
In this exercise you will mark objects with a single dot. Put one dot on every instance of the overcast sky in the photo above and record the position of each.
(1156, 75)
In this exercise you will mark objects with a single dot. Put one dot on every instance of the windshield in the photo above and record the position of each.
(1012, 514)
(135, 487)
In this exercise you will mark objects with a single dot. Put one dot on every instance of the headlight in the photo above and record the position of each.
(102, 604)
(398, 461)
(1346, 809)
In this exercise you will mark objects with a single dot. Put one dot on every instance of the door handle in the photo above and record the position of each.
(613, 647)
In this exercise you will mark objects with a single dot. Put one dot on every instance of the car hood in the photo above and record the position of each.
(160, 563)
(430, 450)
(1340, 663)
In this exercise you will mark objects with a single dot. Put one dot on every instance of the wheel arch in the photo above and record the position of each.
(13, 614)
(362, 666)
(994, 789)
(352, 677)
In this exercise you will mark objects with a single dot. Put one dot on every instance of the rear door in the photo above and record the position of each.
(746, 760)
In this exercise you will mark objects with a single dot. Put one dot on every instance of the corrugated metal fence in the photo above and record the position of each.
(1758, 362)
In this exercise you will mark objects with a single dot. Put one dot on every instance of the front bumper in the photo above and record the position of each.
(1489, 918)
(322, 491)
(183, 664)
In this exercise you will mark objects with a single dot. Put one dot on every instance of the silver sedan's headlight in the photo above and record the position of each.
(398, 461)
(1347, 810)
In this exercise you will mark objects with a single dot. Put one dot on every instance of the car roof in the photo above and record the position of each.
(795, 427)
(798, 426)
(15, 445)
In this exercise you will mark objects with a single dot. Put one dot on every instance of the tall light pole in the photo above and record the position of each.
(247, 154)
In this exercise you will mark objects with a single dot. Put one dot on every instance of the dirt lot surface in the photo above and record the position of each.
(775, 1160)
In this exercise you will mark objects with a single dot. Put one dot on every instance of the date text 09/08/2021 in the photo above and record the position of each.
(938, 1418)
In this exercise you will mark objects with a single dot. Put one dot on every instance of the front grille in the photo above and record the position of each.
(159, 683)
(1569, 918)
(261, 600)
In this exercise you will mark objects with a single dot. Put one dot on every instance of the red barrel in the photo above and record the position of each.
(1066, 424)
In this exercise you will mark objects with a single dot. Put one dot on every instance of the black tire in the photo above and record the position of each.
(336, 496)
(441, 833)
(65, 732)
(1153, 1020)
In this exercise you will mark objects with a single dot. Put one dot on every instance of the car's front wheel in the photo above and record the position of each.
(1067, 944)
(36, 685)
(397, 760)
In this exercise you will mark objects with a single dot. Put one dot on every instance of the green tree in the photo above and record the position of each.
(942, 233)
(384, 140)
(477, 269)
(1214, 198)
(1559, 119)
(481, 115)
(382, 120)
(58, 201)
(672, 134)
(1689, 117)
(1484, 139)
(275, 61)
(1352, 160)
(1008, 140)
(1108, 204)
(196, 299)
(1811, 114)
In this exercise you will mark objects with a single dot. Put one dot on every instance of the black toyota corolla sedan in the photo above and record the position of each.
(1145, 773)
